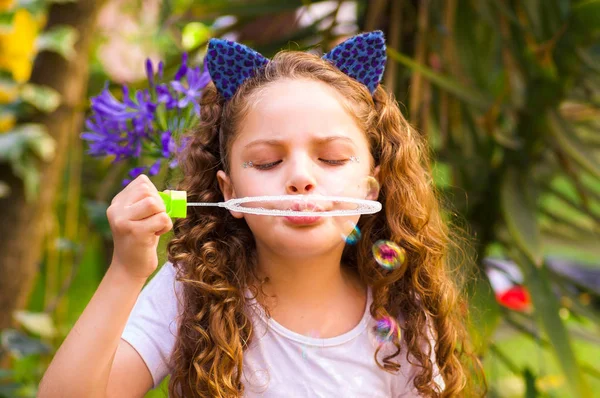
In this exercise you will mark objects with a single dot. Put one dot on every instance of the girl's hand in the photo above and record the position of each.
(137, 217)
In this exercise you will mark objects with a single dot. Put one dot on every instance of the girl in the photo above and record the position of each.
(278, 306)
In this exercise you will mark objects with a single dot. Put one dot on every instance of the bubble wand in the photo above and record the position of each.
(176, 205)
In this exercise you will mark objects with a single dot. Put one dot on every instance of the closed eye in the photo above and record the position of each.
(267, 166)
(335, 162)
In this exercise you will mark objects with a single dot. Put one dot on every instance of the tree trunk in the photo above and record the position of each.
(23, 224)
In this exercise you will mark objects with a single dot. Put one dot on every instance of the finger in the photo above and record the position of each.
(143, 188)
(138, 189)
(166, 229)
(145, 207)
(156, 224)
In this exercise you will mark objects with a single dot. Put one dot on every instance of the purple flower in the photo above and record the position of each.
(143, 110)
(196, 81)
(106, 105)
(118, 128)
(149, 72)
(134, 173)
(135, 125)
(168, 144)
(155, 168)
(101, 141)
(161, 68)
(170, 149)
(182, 69)
(165, 96)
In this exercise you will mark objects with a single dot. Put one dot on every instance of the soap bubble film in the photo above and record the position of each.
(386, 329)
(388, 254)
(350, 232)
(307, 349)
(309, 205)
(354, 199)
(370, 188)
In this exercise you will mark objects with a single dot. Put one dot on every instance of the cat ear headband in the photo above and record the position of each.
(362, 57)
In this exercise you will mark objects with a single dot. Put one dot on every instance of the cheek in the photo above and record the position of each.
(256, 183)
(349, 181)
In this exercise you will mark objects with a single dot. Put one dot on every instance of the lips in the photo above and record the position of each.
(306, 206)
(304, 220)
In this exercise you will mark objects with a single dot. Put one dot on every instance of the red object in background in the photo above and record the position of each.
(516, 298)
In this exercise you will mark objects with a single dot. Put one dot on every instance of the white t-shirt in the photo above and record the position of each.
(278, 362)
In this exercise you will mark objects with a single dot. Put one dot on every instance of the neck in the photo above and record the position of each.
(306, 282)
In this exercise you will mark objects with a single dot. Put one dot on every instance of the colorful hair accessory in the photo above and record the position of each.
(361, 57)
(230, 64)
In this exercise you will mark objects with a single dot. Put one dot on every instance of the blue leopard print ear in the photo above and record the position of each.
(230, 64)
(361, 57)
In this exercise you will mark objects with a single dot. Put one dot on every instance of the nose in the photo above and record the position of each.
(301, 179)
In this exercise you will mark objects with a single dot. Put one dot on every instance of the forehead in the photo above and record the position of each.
(298, 110)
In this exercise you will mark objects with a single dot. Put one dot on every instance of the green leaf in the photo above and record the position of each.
(471, 96)
(27, 136)
(9, 390)
(161, 114)
(39, 323)
(23, 147)
(546, 309)
(28, 170)
(567, 139)
(60, 39)
(577, 245)
(530, 389)
(96, 212)
(9, 90)
(20, 345)
(44, 98)
(519, 210)
(6, 373)
(484, 312)
(586, 15)
(6, 19)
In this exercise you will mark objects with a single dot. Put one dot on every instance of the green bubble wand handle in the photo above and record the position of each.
(175, 202)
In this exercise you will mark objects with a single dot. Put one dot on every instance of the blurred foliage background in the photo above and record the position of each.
(507, 92)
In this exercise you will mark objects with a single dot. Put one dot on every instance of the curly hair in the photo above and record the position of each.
(215, 253)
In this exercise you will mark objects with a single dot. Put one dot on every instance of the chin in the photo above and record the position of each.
(299, 237)
(307, 250)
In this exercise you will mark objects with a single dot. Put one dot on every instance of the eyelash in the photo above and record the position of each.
(268, 166)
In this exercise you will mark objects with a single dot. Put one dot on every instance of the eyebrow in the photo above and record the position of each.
(321, 140)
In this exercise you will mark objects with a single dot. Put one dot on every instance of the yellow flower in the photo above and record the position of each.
(17, 46)
(6, 5)
(7, 121)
